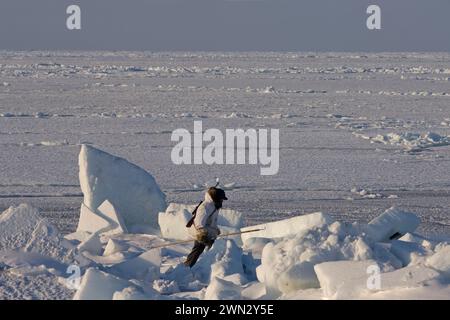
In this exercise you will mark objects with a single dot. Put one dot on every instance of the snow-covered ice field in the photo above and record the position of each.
(359, 133)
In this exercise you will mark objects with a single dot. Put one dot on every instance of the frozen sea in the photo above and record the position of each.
(327, 106)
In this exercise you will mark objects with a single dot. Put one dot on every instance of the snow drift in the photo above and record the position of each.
(22, 228)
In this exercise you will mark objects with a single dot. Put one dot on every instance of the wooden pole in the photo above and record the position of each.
(187, 241)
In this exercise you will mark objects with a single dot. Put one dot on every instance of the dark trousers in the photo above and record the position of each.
(197, 250)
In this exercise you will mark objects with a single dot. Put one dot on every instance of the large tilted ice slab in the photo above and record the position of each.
(392, 224)
(286, 227)
(132, 191)
(173, 221)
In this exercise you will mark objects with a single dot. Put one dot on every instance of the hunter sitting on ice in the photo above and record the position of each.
(203, 225)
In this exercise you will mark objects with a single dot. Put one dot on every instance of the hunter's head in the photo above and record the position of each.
(217, 195)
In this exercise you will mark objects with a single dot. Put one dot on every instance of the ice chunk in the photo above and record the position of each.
(230, 263)
(225, 258)
(166, 286)
(286, 227)
(230, 233)
(114, 246)
(78, 237)
(115, 219)
(99, 285)
(132, 190)
(133, 293)
(92, 245)
(111, 259)
(256, 245)
(344, 279)
(173, 221)
(91, 222)
(392, 224)
(353, 279)
(411, 276)
(298, 276)
(182, 277)
(230, 218)
(441, 260)
(144, 267)
(104, 221)
(407, 252)
(220, 289)
(253, 291)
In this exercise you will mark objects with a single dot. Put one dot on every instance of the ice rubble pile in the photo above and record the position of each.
(300, 257)
(410, 141)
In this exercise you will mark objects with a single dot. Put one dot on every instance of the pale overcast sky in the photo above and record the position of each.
(226, 25)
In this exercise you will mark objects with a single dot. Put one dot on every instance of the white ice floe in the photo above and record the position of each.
(286, 227)
(392, 224)
(361, 279)
(132, 191)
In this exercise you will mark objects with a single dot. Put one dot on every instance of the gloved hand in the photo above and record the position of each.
(204, 237)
